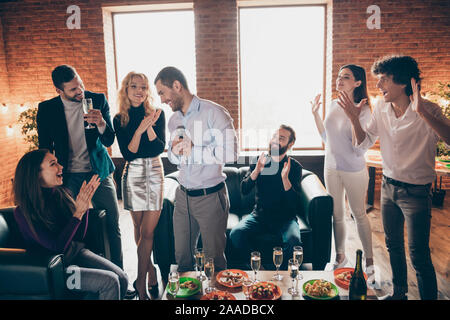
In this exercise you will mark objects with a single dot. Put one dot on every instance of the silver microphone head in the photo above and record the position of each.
(180, 132)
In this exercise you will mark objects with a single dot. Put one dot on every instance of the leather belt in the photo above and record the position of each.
(403, 184)
(202, 192)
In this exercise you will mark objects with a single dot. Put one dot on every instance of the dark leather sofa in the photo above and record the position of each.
(37, 275)
(314, 217)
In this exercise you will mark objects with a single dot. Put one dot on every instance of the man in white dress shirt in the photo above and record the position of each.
(202, 140)
(408, 127)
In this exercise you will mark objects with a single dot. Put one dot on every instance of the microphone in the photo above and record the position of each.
(180, 132)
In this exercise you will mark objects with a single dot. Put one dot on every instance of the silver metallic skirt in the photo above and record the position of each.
(142, 184)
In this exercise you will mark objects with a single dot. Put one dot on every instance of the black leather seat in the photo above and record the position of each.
(314, 218)
(37, 275)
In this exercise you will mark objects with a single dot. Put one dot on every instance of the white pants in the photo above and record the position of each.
(355, 185)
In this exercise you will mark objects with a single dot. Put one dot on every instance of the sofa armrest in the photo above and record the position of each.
(316, 210)
(27, 275)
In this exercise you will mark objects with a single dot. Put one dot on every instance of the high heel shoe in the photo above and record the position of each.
(370, 271)
(340, 265)
(146, 297)
(154, 289)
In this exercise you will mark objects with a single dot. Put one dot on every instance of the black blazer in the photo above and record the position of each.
(53, 133)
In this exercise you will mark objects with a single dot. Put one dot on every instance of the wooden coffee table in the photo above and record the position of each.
(284, 284)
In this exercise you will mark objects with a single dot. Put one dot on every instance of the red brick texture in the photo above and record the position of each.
(34, 39)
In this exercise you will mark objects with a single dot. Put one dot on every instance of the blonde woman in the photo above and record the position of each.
(140, 130)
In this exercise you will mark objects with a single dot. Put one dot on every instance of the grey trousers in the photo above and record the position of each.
(92, 273)
(412, 205)
(104, 198)
(205, 215)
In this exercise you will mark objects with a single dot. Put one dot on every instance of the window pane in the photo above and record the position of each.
(282, 69)
(149, 41)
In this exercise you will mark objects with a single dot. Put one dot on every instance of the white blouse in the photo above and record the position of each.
(340, 153)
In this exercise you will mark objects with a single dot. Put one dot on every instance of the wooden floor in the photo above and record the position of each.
(439, 244)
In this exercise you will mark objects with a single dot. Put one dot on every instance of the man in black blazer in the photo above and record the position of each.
(61, 126)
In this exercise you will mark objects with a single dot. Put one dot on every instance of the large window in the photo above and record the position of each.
(146, 42)
(282, 69)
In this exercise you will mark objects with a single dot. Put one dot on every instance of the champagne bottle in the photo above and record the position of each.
(358, 286)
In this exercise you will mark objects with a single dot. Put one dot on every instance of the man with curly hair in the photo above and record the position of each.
(408, 128)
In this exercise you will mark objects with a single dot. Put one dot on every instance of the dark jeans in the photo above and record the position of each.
(252, 234)
(410, 204)
(104, 198)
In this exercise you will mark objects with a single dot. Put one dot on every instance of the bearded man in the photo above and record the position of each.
(276, 177)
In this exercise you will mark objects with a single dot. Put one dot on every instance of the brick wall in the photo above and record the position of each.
(7, 139)
(217, 53)
(34, 39)
(415, 28)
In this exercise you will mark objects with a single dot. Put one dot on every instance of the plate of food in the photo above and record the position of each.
(188, 287)
(265, 291)
(231, 278)
(218, 295)
(342, 277)
(320, 289)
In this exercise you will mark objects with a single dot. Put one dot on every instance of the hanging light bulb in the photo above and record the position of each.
(9, 130)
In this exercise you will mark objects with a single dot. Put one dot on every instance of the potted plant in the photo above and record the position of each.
(29, 128)
(442, 97)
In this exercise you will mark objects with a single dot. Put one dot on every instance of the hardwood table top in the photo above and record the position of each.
(265, 275)
(373, 159)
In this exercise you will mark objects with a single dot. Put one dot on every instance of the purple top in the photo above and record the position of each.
(54, 242)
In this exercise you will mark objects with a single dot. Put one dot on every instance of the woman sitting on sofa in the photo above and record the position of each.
(50, 220)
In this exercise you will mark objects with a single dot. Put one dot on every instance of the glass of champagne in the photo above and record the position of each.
(209, 271)
(255, 262)
(298, 255)
(247, 287)
(87, 105)
(174, 284)
(199, 263)
(293, 273)
(277, 261)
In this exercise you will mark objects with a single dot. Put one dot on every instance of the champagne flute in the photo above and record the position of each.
(293, 274)
(209, 271)
(174, 284)
(199, 263)
(298, 255)
(247, 287)
(277, 261)
(87, 105)
(255, 262)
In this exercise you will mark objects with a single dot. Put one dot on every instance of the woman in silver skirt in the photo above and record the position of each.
(140, 130)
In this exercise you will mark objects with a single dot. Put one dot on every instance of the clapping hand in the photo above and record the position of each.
(315, 106)
(349, 107)
(286, 169)
(285, 174)
(262, 160)
(145, 124)
(148, 121)
(85, 195)
(155, 115)
(261, 163)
